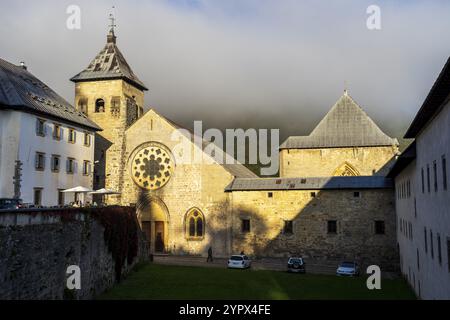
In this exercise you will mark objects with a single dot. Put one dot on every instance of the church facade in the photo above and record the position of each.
(330, 201)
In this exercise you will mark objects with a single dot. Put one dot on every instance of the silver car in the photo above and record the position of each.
(348, 268)
(239, 261)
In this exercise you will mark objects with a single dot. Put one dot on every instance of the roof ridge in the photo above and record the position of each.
(346, 124)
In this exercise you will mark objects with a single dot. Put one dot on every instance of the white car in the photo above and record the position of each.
(239, 262)
(348, 269)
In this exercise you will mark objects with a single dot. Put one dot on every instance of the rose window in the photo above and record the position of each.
(152, 167)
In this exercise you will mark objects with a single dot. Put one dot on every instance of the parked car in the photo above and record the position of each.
(10, 204)
(239, 261)
(296, 264)
(348, 268)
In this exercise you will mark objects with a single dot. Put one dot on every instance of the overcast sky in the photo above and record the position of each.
(245, 63)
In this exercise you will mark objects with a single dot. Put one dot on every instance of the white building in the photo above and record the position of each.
(45, 144)
(423, 196)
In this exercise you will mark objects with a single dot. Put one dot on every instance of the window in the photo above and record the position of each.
(332, 226)
(431, 245)
(313, 194)
(245, 227)
(418, 260)
(439, 248)
(87, 139)
(426, 239)
(82, 106)
(423, 182)
(115, 106)
(72, 135)
(37, 196)
(444, 172)
(410, 231)
(357, 194)
(448, 254)
(379, 227)
(428, 179)
(55, 163)
(195, 224)
(61, 198)
(86, 168)
(270, 195)
(288, 227)
(57, 131)
(99, 106)
(40, 161)
(435, 176)
(70, 165)
(40, 127)
(415, 208)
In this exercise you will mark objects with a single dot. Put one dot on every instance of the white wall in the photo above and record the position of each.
(20, 141)
(433, 211)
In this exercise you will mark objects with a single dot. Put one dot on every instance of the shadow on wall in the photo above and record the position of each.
(329, 225)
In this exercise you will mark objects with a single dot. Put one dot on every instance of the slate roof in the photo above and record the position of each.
(109, 64)
(22, 91)
(321, 183)
(345, 125)
(437, 97)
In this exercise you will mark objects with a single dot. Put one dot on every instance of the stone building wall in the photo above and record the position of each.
(355, 216)
(327, 162)
(190, 186)
(110, 141)
(37, 247)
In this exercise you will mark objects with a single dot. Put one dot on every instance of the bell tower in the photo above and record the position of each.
(111, 95)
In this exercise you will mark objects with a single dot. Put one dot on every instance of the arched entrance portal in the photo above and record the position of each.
(154, 218)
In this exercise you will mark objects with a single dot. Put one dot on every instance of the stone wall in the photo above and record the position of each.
(198, 186)
(111, 140)
(327, 162)
(355, 238)
(38, 246)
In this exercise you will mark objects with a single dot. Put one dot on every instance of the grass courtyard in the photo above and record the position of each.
(152, 281)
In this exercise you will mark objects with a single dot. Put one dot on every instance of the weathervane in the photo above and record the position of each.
(113, 20)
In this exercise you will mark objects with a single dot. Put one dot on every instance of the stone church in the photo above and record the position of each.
(331, 199)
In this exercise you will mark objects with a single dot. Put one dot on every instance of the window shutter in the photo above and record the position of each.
(37, 126)
(67, 165)
(74, 136)
(89, 168)
(36, 161)
(61, 133)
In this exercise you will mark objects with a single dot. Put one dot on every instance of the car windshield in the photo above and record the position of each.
(295, 260)
(8, 201)
(236, 258)
(348, 265)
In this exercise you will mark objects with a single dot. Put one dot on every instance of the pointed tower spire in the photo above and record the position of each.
(111, 38)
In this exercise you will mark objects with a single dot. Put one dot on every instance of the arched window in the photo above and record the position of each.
(82, 105)
(99, 105)
(346, 169)
(195, 222)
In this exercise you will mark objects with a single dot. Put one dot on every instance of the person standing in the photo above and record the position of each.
(210, 255)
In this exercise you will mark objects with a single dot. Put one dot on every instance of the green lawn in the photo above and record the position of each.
(152, 281)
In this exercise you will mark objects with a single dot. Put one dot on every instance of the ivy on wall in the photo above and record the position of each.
(121, 229)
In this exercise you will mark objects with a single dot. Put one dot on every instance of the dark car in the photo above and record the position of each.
(10, 204)
(296, 264)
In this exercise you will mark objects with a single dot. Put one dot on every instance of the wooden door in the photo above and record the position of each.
(159, 236)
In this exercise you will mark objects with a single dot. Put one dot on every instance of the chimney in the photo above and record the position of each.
(23, 65)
